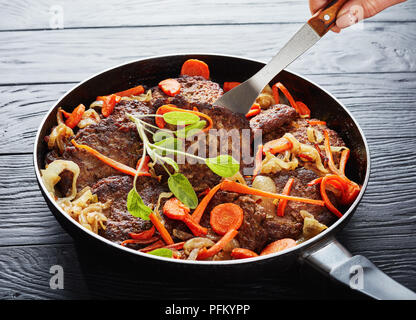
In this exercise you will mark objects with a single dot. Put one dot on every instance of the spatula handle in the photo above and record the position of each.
(324, 19)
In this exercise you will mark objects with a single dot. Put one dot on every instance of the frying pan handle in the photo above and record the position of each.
(357, 272)
(324, 19)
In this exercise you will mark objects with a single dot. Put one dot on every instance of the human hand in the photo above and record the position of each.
(354, 11)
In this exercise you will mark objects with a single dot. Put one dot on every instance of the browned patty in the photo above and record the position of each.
(298, 129)
(115, 136)
(270, 121)
(194, 92)
(116, 188)
(302, 177)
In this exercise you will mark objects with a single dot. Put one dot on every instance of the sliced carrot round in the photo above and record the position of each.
(278, 245)
(242, 253)
(171, 87)
(230, 85)
(195, 67)
(226, 216)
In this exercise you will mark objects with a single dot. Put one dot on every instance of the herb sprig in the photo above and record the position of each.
(164, 144)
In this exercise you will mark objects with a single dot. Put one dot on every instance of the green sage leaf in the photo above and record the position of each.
(223, 165)
(182, 189)
(136, 206)
(162, 252)
(161, 135)
(169, 143)
(178, 117)
(191, 130)
(170, 162)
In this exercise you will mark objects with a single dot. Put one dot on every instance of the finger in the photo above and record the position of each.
(336, 29)
(315, 5)
(356, 10)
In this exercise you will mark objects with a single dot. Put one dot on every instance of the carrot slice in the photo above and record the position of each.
(345, 154)
(316, 122)
(176, 246)
(277, 146)
(276, 97)
(230, 85)
(258, 160)
(254, 110)
(279, 86)
(171, 87)
(282, 203)
(143, 235)
(305, 157)
(195, 67)
(315, 182)
(303, 109)
(161, 228)
(171, 107)
(278, 245)
(135, 91)
(199, 210)
(204, 193)
(174, 209)
(328, 152)
(242, 253)
(158, 244)
(75, 117)
(109, 103)
(161, 111)
(325, 197)
(112, 163)
(226, 216)
(300, 108)
(145, 166)
(139, 241)
(232, 186)
(205, 253)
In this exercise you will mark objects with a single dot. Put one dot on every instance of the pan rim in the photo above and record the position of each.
(323, 235)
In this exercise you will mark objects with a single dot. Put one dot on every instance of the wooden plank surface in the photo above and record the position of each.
(26, 15)
(72, 55)
(86, 275)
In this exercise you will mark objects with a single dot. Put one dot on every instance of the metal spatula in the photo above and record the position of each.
(241, 98)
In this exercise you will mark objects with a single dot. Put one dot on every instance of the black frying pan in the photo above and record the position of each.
(322, 251)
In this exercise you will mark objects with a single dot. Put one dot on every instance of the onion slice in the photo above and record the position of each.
(50, 176)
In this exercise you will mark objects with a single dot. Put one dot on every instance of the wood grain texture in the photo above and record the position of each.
(25, 275)
(380, 103)
(23, 14)
(72, 55)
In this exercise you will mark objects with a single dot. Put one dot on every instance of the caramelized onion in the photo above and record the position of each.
(50, 176)
(89, 117)
(311, 226)
(266, 184)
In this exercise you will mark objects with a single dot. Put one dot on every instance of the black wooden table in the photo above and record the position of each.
(370, 68)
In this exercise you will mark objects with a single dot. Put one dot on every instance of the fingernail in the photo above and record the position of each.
(346, 20)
